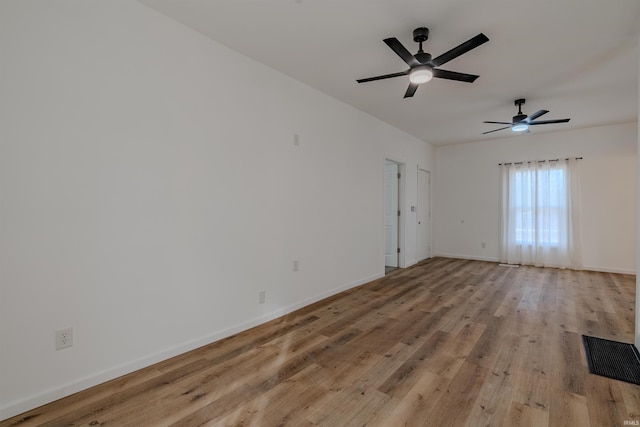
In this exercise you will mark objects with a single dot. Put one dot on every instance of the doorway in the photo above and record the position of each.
(392, 225)
(423, 217)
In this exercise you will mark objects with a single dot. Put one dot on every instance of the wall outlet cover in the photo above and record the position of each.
(64, 338)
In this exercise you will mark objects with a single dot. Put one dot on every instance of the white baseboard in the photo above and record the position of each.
(408, 264)
(14, 408)
(609, 270)
(471, 257)
(589, 268)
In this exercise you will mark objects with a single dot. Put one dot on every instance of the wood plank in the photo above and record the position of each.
(605, 402)
(568, 409)
(457, 351)
(494, 399)
(457, 402)
(523, 415)
(415, 407)
(402, 379)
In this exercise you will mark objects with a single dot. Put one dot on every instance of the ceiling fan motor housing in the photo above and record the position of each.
(519, 117)
(423, 57)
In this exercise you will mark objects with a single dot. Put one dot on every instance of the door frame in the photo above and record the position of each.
(429, 228)
(401, 207)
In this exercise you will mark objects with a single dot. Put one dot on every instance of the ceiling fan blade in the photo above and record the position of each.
(453, 75)
(386, 76)
(411, 90)
(459, 50)
(496, 130)
(535, 115)
(499, 123)
(548, 122)
(401, 51)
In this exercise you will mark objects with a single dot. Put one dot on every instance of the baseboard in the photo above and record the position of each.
(12, 409)
(408, 264)
(471, 257)
(589, 268)
(609, 270)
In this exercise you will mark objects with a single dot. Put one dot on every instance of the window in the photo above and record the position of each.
(542, 190)
(540, 221)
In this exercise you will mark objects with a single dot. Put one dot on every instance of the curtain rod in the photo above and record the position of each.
(539, 161)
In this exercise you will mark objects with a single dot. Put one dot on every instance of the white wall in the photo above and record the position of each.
(467, 195)
(150, 187)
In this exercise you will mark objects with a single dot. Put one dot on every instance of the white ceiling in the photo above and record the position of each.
(576, 58)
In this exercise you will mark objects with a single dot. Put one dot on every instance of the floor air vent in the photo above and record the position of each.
(612, 359)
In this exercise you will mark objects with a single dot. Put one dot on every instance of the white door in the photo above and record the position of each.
(390, 214)
(423, 232)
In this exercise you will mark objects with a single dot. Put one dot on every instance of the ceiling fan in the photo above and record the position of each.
(422, 67)
(521, 122)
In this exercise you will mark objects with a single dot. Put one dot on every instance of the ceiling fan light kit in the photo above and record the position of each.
(421, 74)
(422, 67)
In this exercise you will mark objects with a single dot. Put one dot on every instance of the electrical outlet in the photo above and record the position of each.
(296, 140)
(296, 265)
(64, 338)
(262, 296)
(483, 245)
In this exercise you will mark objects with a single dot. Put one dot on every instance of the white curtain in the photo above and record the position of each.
(540, 213)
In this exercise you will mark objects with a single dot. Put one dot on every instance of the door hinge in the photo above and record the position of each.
(398, 250)
(398, 175)
(398, 213)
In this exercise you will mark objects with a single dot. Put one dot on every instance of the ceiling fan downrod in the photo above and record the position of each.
(520, 116)
(421, 35)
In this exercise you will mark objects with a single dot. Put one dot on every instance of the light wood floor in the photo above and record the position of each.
(445, 343)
